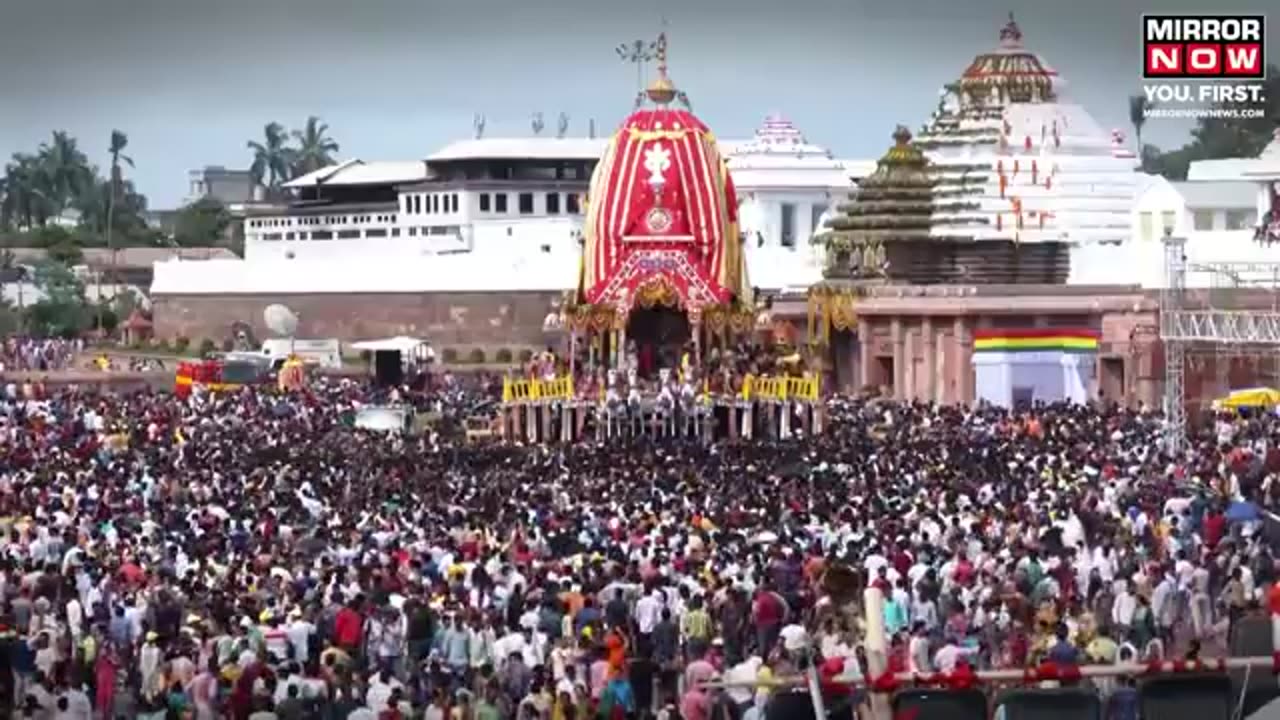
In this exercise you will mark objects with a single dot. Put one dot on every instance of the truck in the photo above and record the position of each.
(221, 374)
(323, 353)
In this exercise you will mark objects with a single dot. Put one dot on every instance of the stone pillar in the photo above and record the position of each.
(899, 363)
(865, 358)
(962, 372)
(929, 345)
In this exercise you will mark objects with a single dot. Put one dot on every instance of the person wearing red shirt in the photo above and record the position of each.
(1215, 524)
(768, 611)
(348, 627)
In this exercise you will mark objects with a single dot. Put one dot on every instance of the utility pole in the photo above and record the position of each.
(638, 53)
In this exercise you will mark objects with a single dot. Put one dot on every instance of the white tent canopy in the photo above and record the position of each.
(399, 343)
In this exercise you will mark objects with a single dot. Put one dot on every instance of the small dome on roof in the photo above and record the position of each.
(777, 135)
(1009, 72)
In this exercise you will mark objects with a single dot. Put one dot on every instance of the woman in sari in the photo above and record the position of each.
(104, 681)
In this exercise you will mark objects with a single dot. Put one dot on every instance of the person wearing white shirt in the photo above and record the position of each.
(75, 619)
(918, 650)
(77, 706)
(1123, 608)
(299, 632)
(738, 677)
(647, 612)
(949, 655)
(380, 688)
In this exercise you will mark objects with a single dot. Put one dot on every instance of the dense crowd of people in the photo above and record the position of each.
(22, 353)
(258, 555)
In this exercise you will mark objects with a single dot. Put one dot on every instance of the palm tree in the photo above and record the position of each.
(119, 141)
(66, 170)
(270, 157)
(1139, 105)
(315, 148)
(27, 200)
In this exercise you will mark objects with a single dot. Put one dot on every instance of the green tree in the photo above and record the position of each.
(203, 223)
(66, 253)
(1224, 137)
(28, 199)
(67, 172)
(1138, 107)
(62, 312)
(6, 218)
(315, 148)
(271, 157)
(10, 317)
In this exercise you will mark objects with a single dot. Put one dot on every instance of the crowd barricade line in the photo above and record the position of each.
(550, 410)
(1048, 680)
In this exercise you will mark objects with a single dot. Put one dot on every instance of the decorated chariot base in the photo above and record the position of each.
(552, 411)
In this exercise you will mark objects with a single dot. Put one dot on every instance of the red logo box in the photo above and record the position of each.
(1204, 47)
(1203, 59)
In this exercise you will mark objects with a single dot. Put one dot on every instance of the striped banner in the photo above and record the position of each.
(1076, 340)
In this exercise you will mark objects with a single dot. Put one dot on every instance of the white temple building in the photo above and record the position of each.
(786, 188)
(1017, 161)
(1221, 211)
(489, 214)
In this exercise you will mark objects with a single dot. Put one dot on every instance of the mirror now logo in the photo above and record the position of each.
(1204, 47)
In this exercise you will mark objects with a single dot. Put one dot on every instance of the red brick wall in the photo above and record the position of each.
(463, 320)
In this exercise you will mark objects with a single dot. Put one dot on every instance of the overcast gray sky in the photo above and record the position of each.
(191, 81)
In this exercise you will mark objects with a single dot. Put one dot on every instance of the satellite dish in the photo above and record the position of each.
(280, 320)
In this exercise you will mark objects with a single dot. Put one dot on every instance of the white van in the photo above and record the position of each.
(325, 353)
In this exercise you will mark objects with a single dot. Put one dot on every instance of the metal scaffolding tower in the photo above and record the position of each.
(1175, 348)
(1216, 320)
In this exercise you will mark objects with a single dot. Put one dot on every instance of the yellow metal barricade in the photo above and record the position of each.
(560, 388)
(519, 390)
(780, 389)
(516, 390)
(803, 388)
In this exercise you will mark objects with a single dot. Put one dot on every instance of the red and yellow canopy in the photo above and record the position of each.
(662, 210)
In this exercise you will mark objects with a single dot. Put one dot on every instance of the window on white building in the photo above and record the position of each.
(500, 202)
(526, 203)
(453, 202)
(375, 233)
(1202, 220)
(484, 202)
(1146, 227)
(271, 236)
(395, 232)
(348, 234)
(553, 203)
(417, 204)
(571, 204)
(1241, 219)
(788, 225)
(1168, 221)
(413, 232)
(322, 235)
